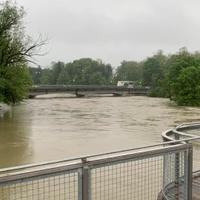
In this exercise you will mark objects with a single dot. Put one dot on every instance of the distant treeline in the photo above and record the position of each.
(80, 72)
(175, 76)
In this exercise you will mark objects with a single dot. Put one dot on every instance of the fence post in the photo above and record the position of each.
(188, 163)
(85, 180)
(165, 166)
(80, 192)
(177, 171)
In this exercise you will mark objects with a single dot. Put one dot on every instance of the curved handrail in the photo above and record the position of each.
(179, 135)
(179, 132)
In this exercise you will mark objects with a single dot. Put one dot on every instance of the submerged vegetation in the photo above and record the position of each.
(175, 76)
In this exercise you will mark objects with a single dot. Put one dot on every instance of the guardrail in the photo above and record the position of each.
(160, 171)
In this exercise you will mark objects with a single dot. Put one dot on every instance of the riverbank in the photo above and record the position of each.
(3, 109)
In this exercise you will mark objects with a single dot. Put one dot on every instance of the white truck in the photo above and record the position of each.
(128, 84)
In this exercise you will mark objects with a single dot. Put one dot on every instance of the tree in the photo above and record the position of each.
(176, 63)
(56, 69)
(46, 76)
(187, 87)
(154, 73)
(16, 50)
(36, 74)
(153, 69)
(85, 71)
(64, 76)
(15, 84)
(130, 71)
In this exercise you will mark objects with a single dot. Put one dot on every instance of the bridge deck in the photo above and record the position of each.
(81, 90)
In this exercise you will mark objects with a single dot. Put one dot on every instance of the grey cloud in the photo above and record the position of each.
(113, 29)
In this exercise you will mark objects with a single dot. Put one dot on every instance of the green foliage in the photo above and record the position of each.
(84, 71)
(154, 71)
(15, 52)
(36, 74)
(11, 33)
(46, 76)
(176, 76)
(187, 87)
(55, 72)
(176, 63)
(129, 71)
(14, 84)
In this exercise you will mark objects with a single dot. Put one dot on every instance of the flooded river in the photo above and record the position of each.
(50, 129)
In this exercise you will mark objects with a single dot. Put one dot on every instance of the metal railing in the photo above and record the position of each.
(160, 171)
(131, 174)
(185, 133)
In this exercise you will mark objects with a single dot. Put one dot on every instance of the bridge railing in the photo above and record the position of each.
(101, 89)
(122, 175)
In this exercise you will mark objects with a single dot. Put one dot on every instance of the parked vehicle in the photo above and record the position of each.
(128, 84)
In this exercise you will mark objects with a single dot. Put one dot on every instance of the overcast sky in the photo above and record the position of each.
(112, 30)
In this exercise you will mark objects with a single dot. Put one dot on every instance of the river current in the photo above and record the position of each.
(47, 129)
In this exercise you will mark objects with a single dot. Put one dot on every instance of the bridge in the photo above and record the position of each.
(164, 171)
(86, 90)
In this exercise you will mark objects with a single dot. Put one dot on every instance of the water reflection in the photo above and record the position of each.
(15, 146)
(49, 129)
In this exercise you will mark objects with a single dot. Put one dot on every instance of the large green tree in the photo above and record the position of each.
(176, 63)
(154, 73)
(187, 87)
(16, 50)
(153, 69)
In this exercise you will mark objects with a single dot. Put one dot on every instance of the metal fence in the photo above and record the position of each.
(157, 172)
(188, 134)
(62, 184)
(147, 173)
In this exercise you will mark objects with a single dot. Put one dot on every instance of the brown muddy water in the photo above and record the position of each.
(55, 128)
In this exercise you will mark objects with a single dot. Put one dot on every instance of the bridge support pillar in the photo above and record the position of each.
(78, 95)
